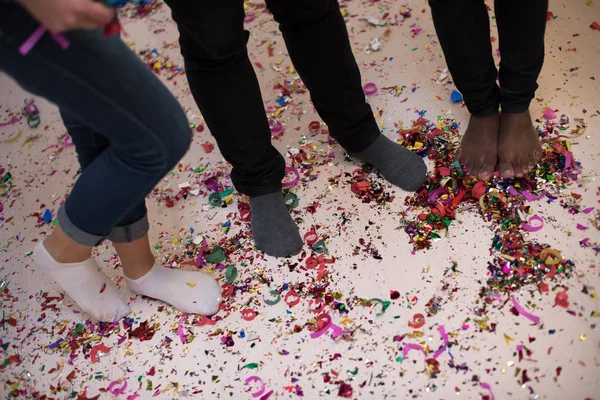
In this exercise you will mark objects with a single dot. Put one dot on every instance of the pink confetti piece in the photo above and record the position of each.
(530, 197)
(411, 346)
(294, 181)
(133, 396)
(445, 338)
(549, 114)
(487, 387)
(337, 331)
(11, 122)
(180, 332)
(255, 378)
(587, 210)
(200, 258)
(115, 391)
(535, 319)
(531, 227)
(581, 227)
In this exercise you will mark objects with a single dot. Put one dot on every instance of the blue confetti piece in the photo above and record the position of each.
(47, 216)
(456, 96)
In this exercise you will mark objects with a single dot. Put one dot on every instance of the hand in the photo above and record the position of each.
(64, 15)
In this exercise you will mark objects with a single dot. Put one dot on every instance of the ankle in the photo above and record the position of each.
(139, 269)
(66, 253)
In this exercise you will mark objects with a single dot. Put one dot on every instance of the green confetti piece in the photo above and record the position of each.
(217, 255)
(400, 358)
(277, 299)
(384, 305)
(250, 366)
(291, 201)
(215, 200)
(319, 247)
(231, 274)
(226, 192)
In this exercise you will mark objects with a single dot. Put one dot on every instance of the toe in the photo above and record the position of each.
(487, 166)
(507, 170)
(485, 173)
(519, 167)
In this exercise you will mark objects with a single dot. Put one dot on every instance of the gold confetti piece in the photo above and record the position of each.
(191, 284)
(508, 339)
(582, 337)
(510, 363)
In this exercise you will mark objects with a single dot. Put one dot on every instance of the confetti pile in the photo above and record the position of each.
(481, 290)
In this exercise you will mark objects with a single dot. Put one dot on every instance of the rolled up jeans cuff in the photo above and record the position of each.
(75, 233)
(131, 232)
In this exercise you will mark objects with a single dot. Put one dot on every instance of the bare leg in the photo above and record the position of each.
(136, 257)
(64, 249)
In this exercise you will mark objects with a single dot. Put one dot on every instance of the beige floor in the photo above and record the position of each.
(291, 363)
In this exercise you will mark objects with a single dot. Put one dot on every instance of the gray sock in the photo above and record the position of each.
(273, 228)
(398, 165)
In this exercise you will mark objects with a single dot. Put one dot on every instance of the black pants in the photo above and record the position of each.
(463, 30)
(225, 87)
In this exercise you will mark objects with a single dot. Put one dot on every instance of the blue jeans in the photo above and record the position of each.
(128, 129)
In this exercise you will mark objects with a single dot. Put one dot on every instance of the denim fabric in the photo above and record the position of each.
(128, 129)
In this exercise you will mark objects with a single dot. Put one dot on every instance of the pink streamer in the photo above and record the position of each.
(296, 179)
(11, 122)
(533, 228)
(443, 334)
(35, 37)
(255, 378)
(337, 331)
(62, 41)
(180, 332)
(487, 387)
(535, 319)
(411, 346)
(445, 338)
(116, 392)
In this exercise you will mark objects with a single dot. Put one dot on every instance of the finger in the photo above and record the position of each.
(98, 12)
(87, 23)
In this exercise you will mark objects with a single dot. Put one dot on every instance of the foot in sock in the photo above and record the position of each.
(397, 164)
(93, 292)
(188, 291)
(273, 228)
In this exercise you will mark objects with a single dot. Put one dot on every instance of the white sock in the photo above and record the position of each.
(188, 291)
(93, 292)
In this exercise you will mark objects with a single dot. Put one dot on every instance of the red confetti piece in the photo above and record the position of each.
(345, 390)
(248, 314)
(291, 298)
(562, 299)
(417, 322)
(394, 294)
(94, 353)
(208, 147)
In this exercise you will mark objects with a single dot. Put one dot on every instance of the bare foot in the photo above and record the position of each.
(519, 148)
(478, 149)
